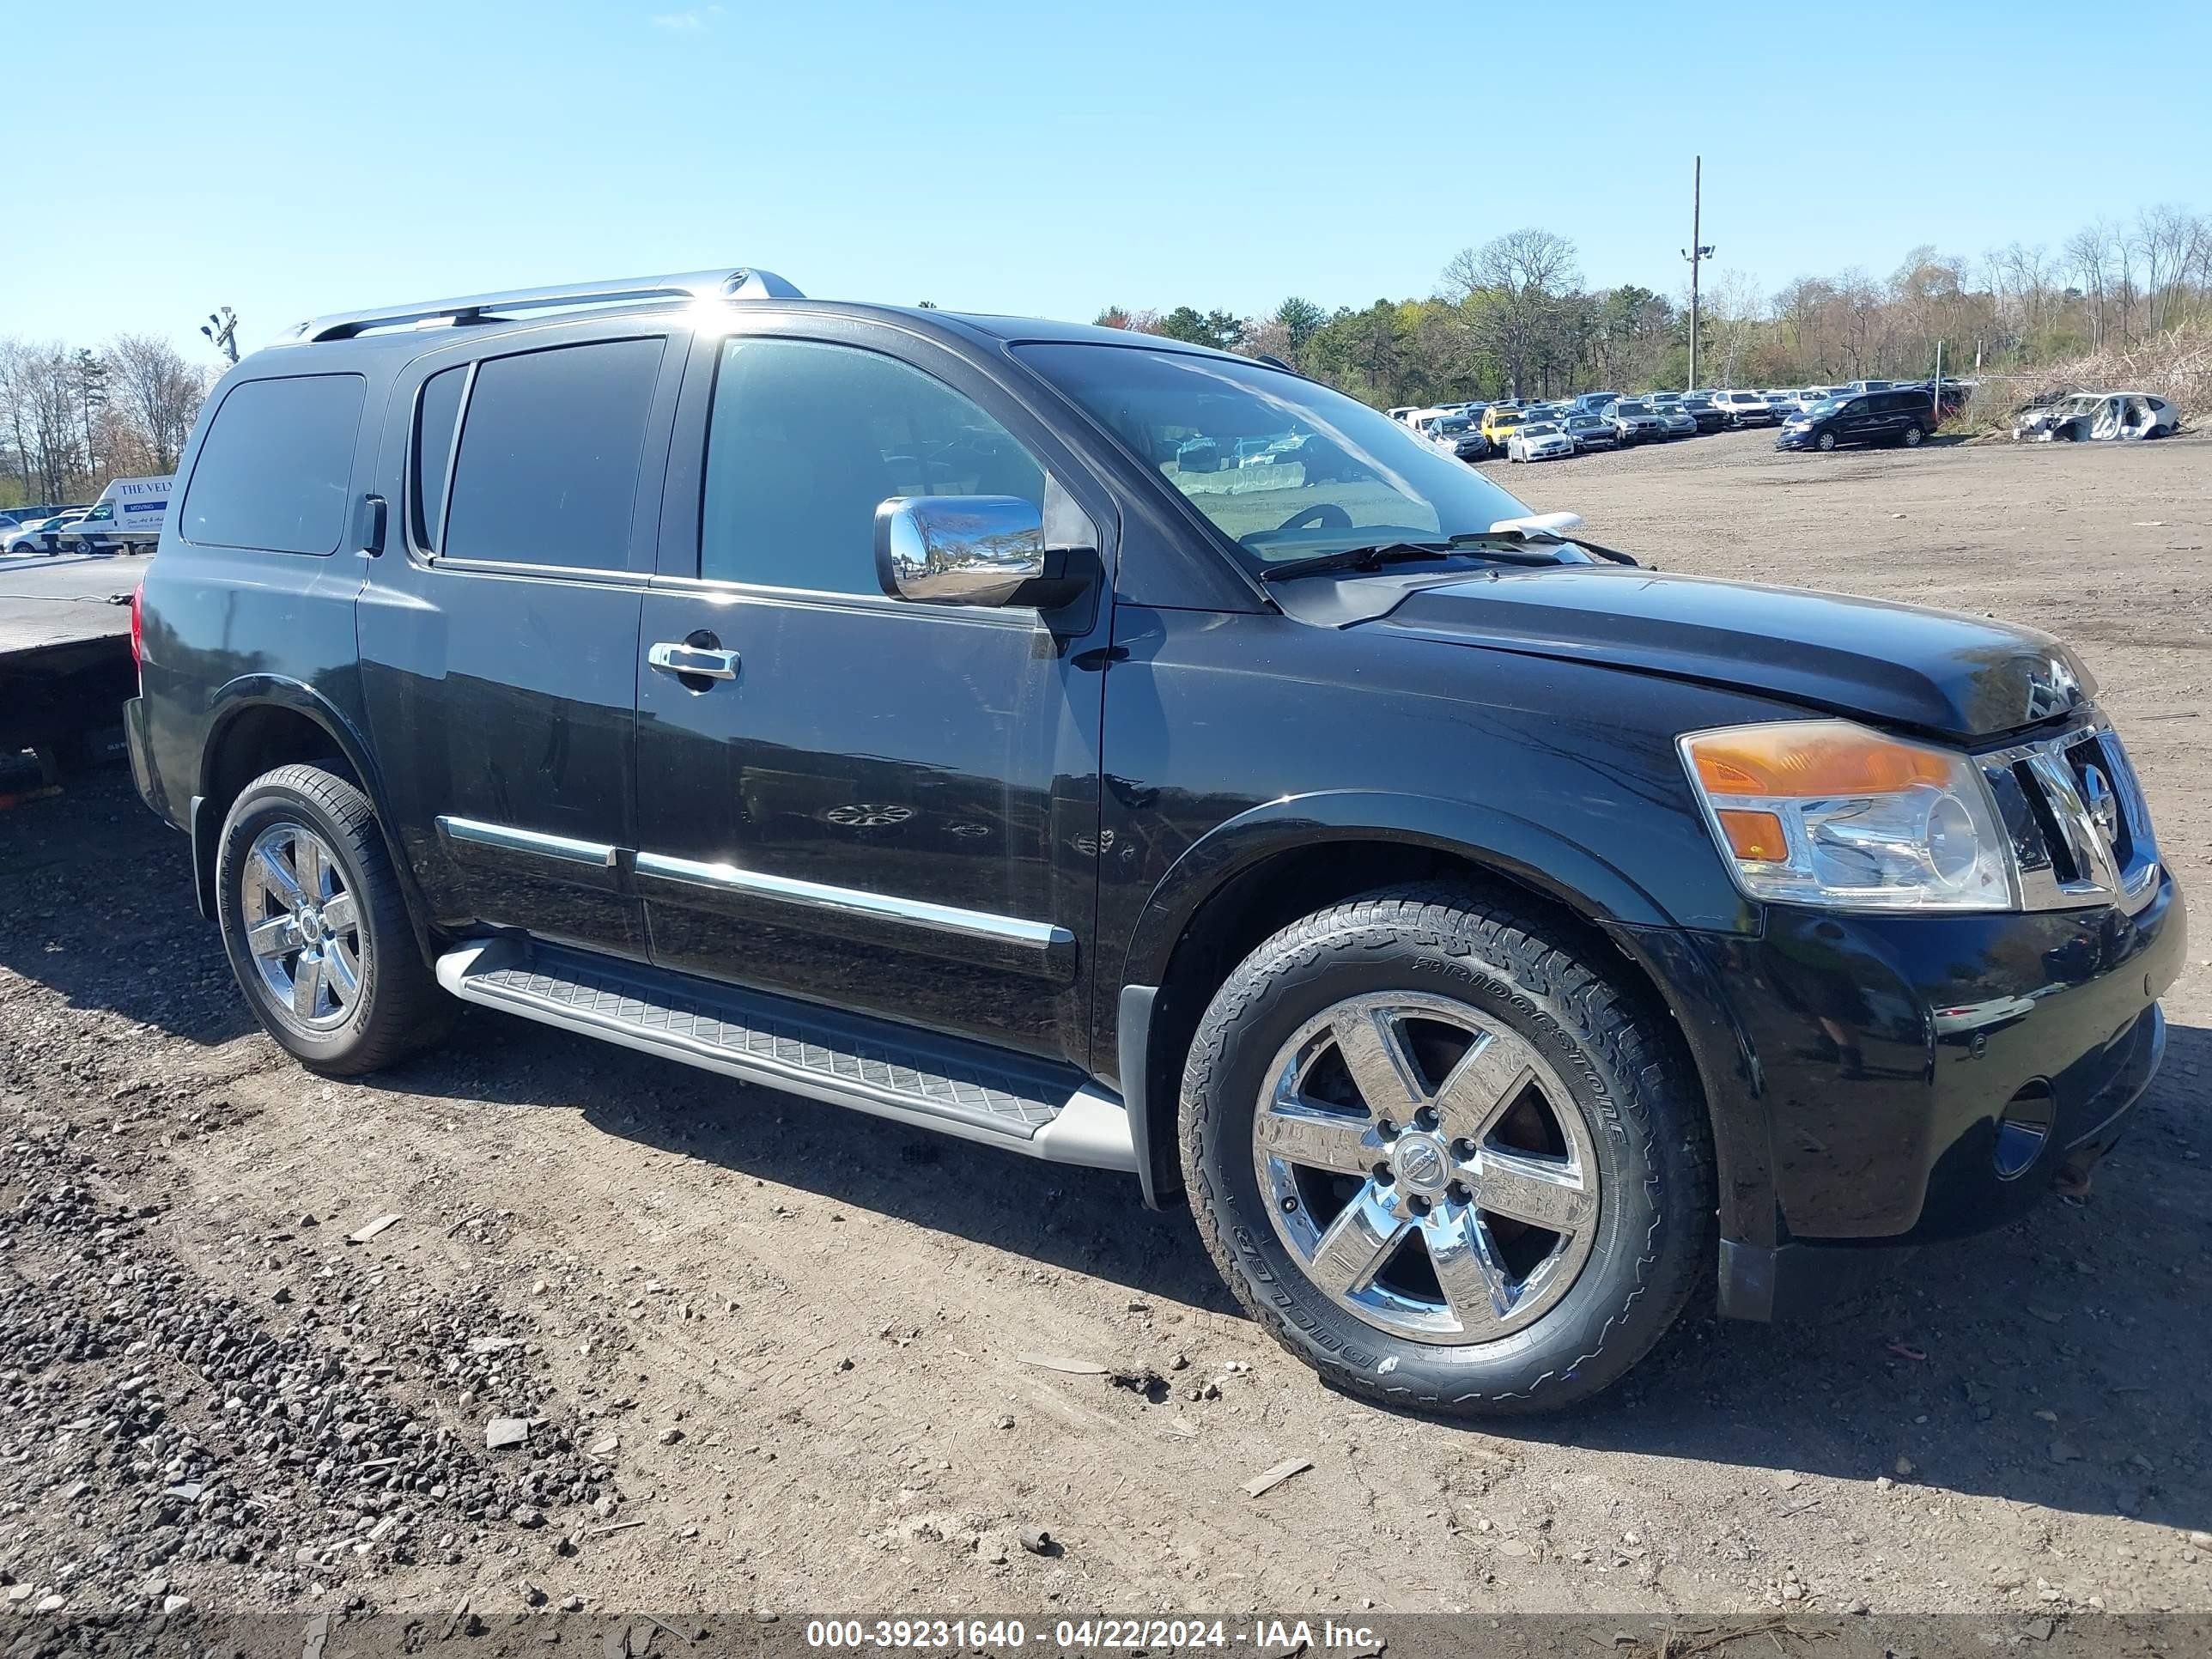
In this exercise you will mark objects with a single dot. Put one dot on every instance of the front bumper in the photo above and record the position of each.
(1787, 439)
(1863, 1069)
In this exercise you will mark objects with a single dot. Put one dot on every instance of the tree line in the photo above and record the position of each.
(72, 418)
(1512, 317)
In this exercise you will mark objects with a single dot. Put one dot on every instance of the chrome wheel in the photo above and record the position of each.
(302, 927)
(1427, 1168)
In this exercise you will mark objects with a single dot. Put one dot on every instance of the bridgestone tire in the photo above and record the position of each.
(399, 1007)
(1654, 1225)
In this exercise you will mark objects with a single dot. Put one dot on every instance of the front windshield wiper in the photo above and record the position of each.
(1507, 550)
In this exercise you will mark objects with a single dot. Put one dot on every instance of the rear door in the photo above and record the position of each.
(886, 806)
(498, 631)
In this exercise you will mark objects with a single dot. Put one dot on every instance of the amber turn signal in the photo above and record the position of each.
(1756, 836)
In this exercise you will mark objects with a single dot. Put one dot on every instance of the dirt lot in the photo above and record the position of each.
(773, 1356)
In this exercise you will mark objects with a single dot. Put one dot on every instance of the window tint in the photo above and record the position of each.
(435, 411)
(547, 473)
(806, 440)
(276, 467)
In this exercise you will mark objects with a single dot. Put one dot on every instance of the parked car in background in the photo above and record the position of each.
(2103, 416)
(1635, 422)
(42, 535)
(1783, 404)
(1539, 440)
(1499, 423)
(1702, 410)
(1872, 417)
(1745, 408)
(1591, 432)
(1459, 435)
(1675, 421)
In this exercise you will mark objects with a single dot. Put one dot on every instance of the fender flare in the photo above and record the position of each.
(239, 696)
(1539, 858)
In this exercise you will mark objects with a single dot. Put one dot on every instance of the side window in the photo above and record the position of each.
(806, 440)
(437, 409)
(548, 465)
(276, 469)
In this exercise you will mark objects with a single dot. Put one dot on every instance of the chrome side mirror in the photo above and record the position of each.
(973, 550)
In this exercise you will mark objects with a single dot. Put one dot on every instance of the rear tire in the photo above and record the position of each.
(316, 926)
(1913, 436)
(1344, 1186)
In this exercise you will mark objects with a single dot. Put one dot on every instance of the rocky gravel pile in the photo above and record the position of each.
(161, 1431)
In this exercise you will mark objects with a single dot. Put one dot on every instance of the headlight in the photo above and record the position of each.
(1826, 812)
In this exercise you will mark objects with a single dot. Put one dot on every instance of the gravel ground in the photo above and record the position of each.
(758, 1354)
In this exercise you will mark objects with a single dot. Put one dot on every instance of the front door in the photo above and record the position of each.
(887, 806)
(498, 630)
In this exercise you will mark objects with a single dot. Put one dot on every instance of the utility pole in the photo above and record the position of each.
(223, 331)
(1696, 253)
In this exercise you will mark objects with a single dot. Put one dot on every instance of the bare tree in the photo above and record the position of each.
(1734, 310)
(160, 393)
(1510, 290)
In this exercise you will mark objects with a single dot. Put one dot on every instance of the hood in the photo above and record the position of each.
(1960, 676)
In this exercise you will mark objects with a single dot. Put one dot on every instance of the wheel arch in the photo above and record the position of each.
(259, 722)
(1261, 869)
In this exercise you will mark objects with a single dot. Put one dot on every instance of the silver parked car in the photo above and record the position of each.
(1635, 422)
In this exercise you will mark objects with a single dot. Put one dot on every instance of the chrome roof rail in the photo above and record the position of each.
(741, 283)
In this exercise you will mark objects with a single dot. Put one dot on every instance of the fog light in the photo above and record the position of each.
(2022, 1128)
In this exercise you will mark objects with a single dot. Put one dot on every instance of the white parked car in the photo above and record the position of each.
(40, 535)
(1745, 408)
(1539, 440)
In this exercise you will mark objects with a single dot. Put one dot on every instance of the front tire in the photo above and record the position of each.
(1442, 1158)
(317, 929)
(1826, 443)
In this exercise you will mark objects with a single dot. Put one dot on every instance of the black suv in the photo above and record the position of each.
(1484, 934)
(1869, 418)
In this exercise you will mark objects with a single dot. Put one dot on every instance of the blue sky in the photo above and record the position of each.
(1041, 158)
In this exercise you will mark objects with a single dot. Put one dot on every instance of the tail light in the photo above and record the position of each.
(139, 631)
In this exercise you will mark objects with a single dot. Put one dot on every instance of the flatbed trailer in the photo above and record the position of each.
(65, 666)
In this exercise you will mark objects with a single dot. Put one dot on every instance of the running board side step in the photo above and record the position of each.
(916, 1078)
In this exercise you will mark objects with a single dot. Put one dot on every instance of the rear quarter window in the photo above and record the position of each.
(276, 469)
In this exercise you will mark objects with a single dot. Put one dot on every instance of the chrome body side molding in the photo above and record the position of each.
(852, 901)
(506, 838)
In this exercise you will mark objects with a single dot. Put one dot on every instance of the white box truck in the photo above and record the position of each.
(127, 517)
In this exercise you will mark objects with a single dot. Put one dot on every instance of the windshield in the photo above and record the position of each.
(1539, 429)
(1342, 475)
(1630, 409)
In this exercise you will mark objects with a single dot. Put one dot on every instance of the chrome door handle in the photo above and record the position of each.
(674, 657)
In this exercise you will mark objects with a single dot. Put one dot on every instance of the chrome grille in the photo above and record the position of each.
(2077, 816)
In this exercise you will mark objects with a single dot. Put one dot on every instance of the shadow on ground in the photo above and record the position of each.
(2060, 1362)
